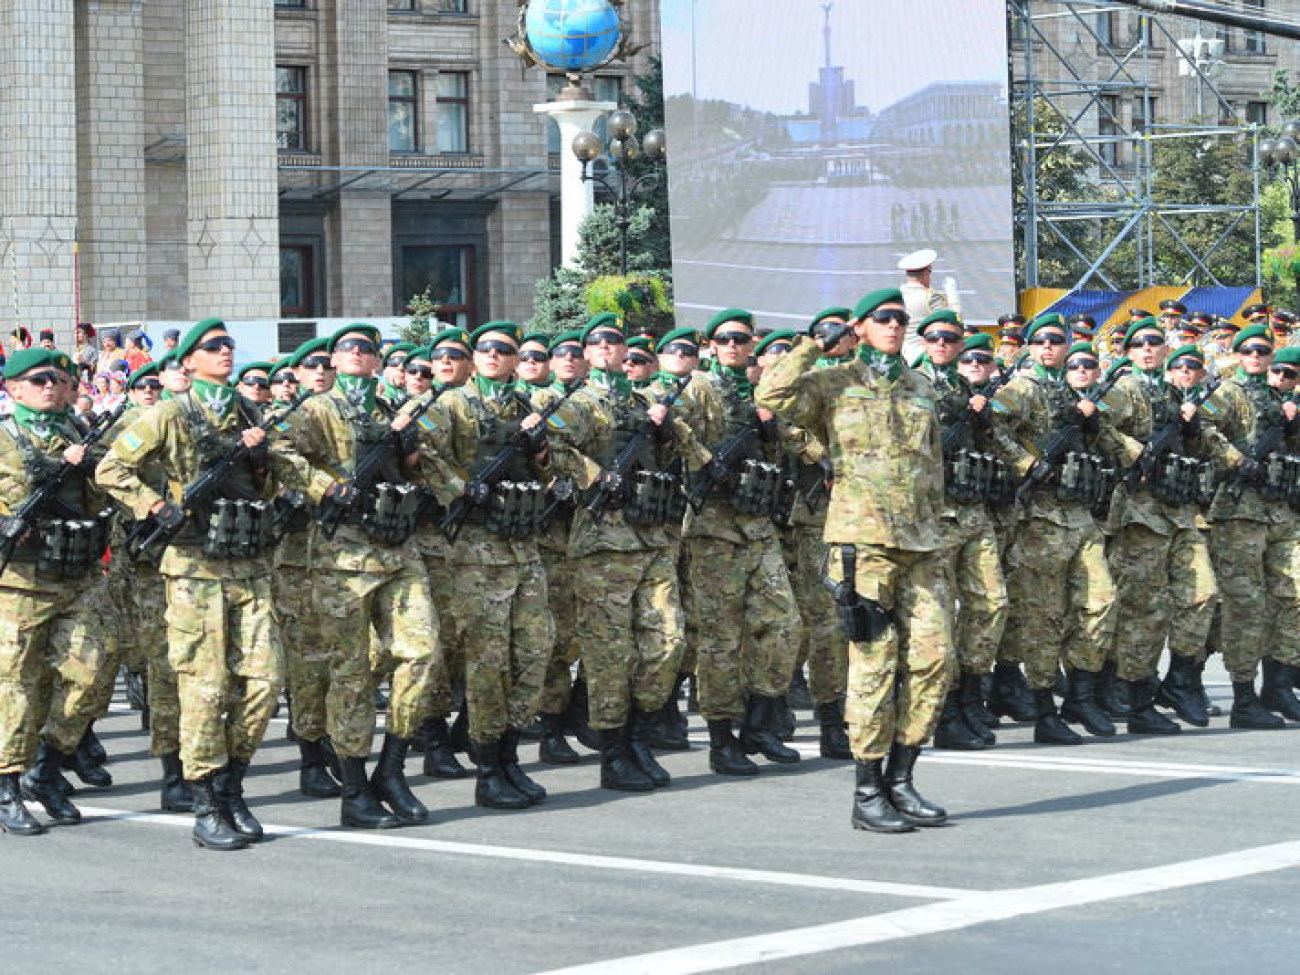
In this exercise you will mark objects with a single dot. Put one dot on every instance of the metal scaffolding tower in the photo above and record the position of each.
(1068, 101)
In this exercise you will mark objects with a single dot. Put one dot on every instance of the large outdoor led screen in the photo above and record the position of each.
(812, 144)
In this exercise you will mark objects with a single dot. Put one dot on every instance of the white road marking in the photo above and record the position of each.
(1159, 770)
(949, 916)
(395, 839)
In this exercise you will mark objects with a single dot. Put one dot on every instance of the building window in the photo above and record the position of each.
(453, 111)
(446, 272)
(451, 6)
(402, 5)
(1253, 40)
(1105, 27)
(1257, 113)
(437, 6)
(300, 4)
(1223, 33)
(1144, 112)
(403, 111)
(291, 107)
(605, 89)
(1108, 128)
(296, 282)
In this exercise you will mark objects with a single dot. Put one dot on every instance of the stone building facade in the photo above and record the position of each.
(264, 159)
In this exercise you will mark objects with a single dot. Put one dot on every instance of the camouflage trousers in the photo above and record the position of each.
(561, 577)
(503, 621)
(897, 683)
(449, 674)
(744, 622)
(145, 611)
(1258, 569)
(1004, 531)
(223, 643)
(823, 646)
(399, 608)
(1062, 600)
(975, 575)
(1165, 591)
(54, 662)
(630, 636)
(684, 596)
(306, 659)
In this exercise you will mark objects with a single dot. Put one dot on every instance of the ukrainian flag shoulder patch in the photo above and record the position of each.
(131, 441)
(427, 423)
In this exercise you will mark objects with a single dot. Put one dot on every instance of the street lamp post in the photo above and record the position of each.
(1282, 155)
(622, 149)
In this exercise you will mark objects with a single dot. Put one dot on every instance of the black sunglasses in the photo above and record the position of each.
(1286, 372)
(284, 377)
(492, 345)
(639, 360)
(605, 336)
(1148, 341)
(455, 355)
(1053, 338)
(217, 344)
(357, 345)
(261, 382)
(566, 352)
(424, 372)
(1079, 364)
(778, 348)
(147, 384)
(1255, 350)
(1186, 363)
(975, 358)
(732, 338)
(533, 355)
(47, 379)
(883, 316)
(946, 338)
(681, 348)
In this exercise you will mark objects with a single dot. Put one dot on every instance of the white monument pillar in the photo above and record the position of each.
(574, 112)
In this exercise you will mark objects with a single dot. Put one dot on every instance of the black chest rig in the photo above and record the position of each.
(1179, 476)
(1085, 476)
(518, 503)
(388, 507)
(648, 497)
(754, 486)
(67, 541)
(970, 475)
(1280, 478)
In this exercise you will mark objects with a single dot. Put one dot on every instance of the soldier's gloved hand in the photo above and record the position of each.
(477, 492)
(533, 440)
(408, 440)
(1251, 470)
(715, 471)
(1192, 427)
(1040, 473)
(258, 457)
(611, 482)
(169, 515)
(663, 432)
(1090, 423)
(831, 334)
(342, 494)
(10, 527)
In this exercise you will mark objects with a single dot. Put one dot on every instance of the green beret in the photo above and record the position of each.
(406, 347)
(1051, 319)
(641, 342)
(1189, 352)
(541, 338)
(266, 367)
(424, 352)
(195, 335)
(606, 320)
(784, 335)
(836, 312)
(310, 347)
(148, 369)
(872, 301)
(728, 315)
(1117, 365)
(945, 316)
(1287, 355)
(1078, 347)
(363, 327)
(25, 359)
(980, 340)
(1252, 332)
(683, 334)
(458, 335)
(1141, 325)
(572, 335)
(509, 329)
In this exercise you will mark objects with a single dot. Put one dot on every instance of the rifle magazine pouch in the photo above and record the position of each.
(651, 499)
(70, 548)
(758, 488)
(238, 529)
(862, 620)
(389, 517)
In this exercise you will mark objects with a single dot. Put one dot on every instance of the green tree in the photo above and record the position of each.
(424, 311)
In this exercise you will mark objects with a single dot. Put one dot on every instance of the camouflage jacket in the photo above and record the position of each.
(1245, 411)
(883, 440)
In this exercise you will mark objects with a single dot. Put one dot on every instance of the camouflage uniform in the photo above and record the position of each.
(222, 637)
(883, 439)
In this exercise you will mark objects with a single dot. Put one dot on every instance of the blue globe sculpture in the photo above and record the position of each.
(572, 35)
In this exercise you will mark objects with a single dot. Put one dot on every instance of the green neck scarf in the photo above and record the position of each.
(492, 388)
(949, 372)
(360, 390)
(615, 381)
(739, 377)
(887, 364)
(217, 397)
(1249, 380)
(40, 422)
(642, 383)
(1056, 376)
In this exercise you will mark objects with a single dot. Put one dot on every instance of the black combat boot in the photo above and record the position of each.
(458, 733)
(211, 831)
(137, 694)
(1049, 729)
(332, 761)
(970, 697)
(1211, 709)
(440, 760)
(639, 749)
(1144, 718)
(1115, 697)
(1009, 695)
(872, 809)
(389, 782)
(14, 817)
(667, 728)
(515, 775)
(176, 793)
(361, 808)
(1276, 689)
(554, 748)
(758, 731)
(952, 731)
(1081, 705)
(902, 793)
(1248, 712)
(314, 778)
(576, 718)
(228, 787)
(726, 757)
(87, 762)
(41, 784)
(618, 769)
(799, 697)
(834, 740)
(784, 722)
(493, 790)
(1179, 691)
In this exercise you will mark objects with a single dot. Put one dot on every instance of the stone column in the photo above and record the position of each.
(38, 165)
(577, 196)
(233, 231)
(112, 202)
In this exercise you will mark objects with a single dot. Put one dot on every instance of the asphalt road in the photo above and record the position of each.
(1175, 854)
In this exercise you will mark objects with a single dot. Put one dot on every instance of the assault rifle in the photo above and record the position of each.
(334, 506)
(1266, 443)
(1164, 441)
(612, 482)
(952, 436)
(1065, 439)
(477, 490)
(162, 527)
(20, 522)
(724, 458)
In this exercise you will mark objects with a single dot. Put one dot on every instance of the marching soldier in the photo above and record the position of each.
(535, 361)
(877, 419)
(221, 633)
(640, 362)
(254, 382)
(54, 665)
(392, 382)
